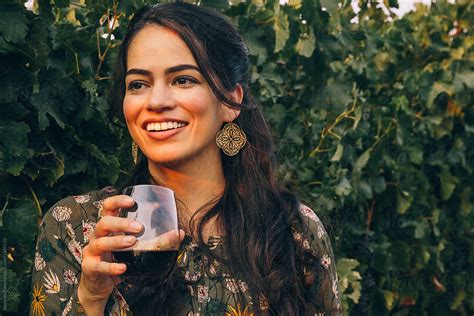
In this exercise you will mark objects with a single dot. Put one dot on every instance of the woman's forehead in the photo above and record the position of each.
(159, 46)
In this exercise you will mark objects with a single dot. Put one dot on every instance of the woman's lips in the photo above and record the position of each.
(163, 135)
(163, 126)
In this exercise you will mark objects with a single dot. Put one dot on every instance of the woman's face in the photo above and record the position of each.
(170, 110)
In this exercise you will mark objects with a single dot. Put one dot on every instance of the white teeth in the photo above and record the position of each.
(163, 126)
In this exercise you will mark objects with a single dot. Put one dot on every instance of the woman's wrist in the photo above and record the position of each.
(90, 305)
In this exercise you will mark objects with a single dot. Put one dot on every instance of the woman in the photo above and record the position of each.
(250, 247)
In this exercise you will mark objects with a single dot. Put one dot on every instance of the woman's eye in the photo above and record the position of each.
(136, 85)
(184, 81)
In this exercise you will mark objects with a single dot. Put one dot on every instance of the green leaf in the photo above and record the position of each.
(464, 78)
(306, 44)
(12, 111)
(5, 47)
(389, 299)
(448, 183)
(361, 162)
(401, 255)
(14, 151)
(53, 172)
(46, 108)
(335, 96)
(416, 155)
(258, 3)
(348, 276)
(382, 60)
(422, 228)
(404, 200)
(61, 3)
(218, 4)
(460, 297)
(329, 5)
(13, 24)
(338, 154)
(379, 184)
(436, 89)
(281, 26)
(365, 189)
(256, 46)
(22, 214)
(344, 187)
(465, 197)
(295, 3)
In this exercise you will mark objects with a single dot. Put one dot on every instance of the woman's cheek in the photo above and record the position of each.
(131, 108)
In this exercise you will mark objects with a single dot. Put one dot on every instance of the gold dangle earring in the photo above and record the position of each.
(231, 139)
(134, 152)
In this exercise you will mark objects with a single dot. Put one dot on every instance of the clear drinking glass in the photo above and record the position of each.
(153, 256)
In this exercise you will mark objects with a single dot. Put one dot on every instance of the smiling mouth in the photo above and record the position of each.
(164, 126)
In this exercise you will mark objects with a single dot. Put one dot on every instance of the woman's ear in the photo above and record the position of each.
(237, 96)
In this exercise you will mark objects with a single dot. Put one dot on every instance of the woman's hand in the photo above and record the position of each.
(99, 274)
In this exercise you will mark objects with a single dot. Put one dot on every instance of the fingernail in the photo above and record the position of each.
(129, 239)
(136, 226)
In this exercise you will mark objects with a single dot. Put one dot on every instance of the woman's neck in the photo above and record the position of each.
(195, 186)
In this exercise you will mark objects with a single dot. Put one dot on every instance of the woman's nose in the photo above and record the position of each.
(161, 98)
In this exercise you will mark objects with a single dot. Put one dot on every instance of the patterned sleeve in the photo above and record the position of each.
(324, 287)
(63, 233)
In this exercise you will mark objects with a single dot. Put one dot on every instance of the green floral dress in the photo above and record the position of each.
(66, 228)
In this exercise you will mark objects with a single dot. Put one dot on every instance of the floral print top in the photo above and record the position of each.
(66, 228)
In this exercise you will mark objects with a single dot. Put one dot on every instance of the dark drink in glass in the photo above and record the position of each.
(153, 257)
(149, 265)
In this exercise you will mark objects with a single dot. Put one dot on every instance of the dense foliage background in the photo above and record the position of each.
(374, 124)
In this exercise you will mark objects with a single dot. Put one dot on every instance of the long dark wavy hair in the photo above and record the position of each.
(257, 213)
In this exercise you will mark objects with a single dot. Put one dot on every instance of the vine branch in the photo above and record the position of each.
(3, 210)
(329, 129)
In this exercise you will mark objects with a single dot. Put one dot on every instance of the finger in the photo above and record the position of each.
(114, 203)
(181, 235)
(108, 224)
(105, 244)
(96, 268)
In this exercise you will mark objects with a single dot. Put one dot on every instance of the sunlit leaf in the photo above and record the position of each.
(448, 184)
(361, 162)
(344, 187)
(282, 32)
(306, 44)
(404, 200)
(338, 154)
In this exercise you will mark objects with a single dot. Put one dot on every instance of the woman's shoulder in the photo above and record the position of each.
(75, 208)
(311, 232)
(310, 221)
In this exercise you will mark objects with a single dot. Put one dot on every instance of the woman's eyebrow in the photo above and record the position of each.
(135, 71)
(181, 68)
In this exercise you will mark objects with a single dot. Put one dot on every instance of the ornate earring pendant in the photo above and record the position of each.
(231, 139)
(134, 152)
